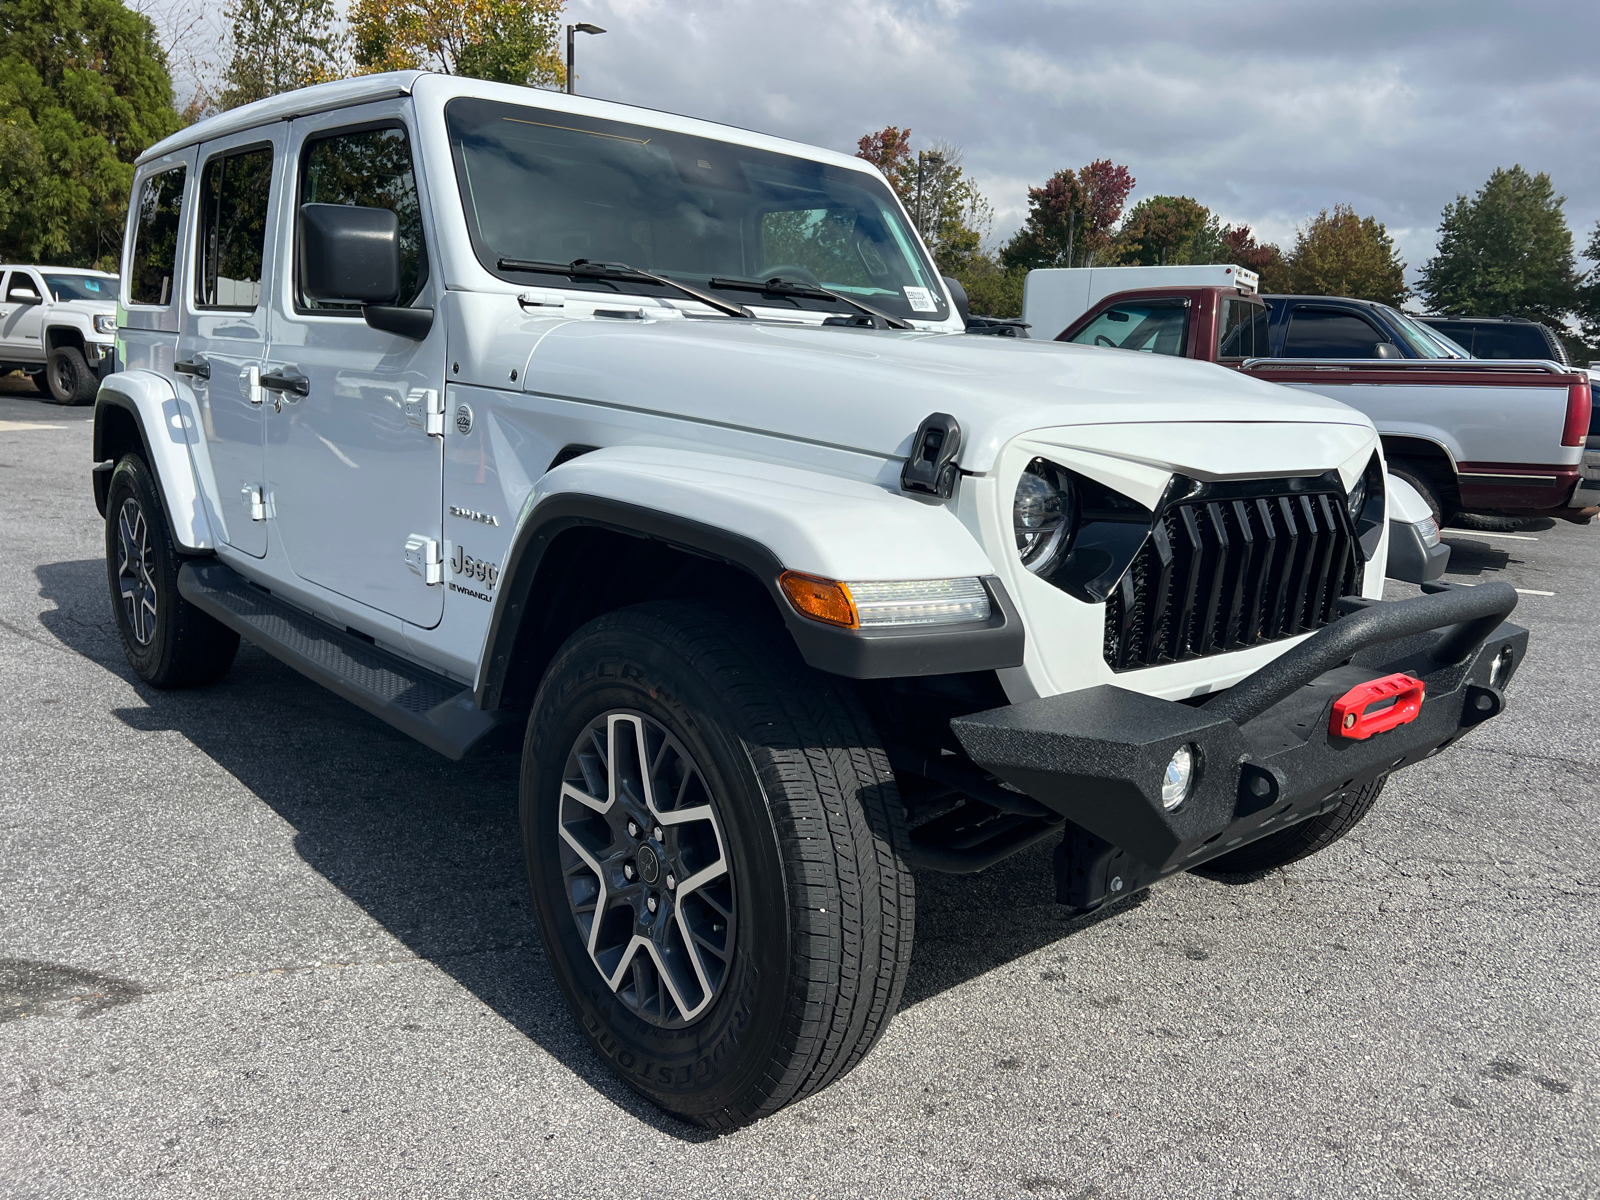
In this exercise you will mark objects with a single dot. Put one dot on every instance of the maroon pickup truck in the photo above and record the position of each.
(1489, 438)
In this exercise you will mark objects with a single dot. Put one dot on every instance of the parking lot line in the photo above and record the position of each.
(1518, 537)
(1532, 592)
(20, 426)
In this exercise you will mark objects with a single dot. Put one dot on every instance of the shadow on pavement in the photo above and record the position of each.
(431, 849)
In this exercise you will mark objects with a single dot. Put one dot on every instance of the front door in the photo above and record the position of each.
(22, 318)
(356, 476)
(222, 338)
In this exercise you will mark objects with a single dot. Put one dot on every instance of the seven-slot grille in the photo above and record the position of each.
(1216, 575)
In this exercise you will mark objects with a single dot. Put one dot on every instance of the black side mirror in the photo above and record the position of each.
(959, 295)
(351, 255)
(1386, 350)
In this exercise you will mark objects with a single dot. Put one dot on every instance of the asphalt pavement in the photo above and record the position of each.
(255, 943)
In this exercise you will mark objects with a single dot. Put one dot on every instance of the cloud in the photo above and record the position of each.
(1265, 112)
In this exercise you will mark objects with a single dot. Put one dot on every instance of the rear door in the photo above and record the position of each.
(222, 339)
(357, 477)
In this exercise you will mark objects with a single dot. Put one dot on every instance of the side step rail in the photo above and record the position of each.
(438, 712)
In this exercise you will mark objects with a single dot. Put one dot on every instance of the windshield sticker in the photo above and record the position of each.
(920, 299)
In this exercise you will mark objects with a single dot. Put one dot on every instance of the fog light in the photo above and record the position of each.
(1179, 779)
(1500, 669)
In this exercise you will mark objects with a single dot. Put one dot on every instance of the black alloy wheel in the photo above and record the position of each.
(646, 868)
(169, 642)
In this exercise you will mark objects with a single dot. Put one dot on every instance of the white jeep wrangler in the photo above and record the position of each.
(58, 325)
(661, 447)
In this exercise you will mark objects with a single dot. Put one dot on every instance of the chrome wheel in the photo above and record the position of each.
(645, 867)
(135, 572)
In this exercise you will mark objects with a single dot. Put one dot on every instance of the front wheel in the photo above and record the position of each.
(1301, 840)
(69, 376)
(714, 845)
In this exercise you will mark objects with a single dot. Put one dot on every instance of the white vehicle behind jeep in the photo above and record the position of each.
(661, 448)
(58, 324)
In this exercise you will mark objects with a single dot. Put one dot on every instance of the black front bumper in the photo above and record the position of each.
(1266, 756)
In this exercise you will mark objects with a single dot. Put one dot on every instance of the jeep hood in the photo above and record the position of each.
(868, 390)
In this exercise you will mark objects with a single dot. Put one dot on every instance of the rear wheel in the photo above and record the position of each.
(169, 642)
(1490, 522)
(70, 379)
(714, 844)
(1302, 840)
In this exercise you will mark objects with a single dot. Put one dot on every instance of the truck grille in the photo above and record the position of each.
(1218, 575)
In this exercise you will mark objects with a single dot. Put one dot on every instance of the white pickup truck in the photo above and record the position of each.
(57, 325)
(659, 448)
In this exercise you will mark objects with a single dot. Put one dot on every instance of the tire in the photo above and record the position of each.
(1417, 478)
(70, 379)
(169, 642)
(1302, 840)
(800, 810)
(1490, 522)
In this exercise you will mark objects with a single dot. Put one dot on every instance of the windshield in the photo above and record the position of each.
(1424, 341)
(83, 287)
(547, 186)
(1150, 326)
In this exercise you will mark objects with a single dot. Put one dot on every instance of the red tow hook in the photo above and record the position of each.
(1352, 720)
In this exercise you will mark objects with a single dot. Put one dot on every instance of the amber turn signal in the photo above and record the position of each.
(820, 599)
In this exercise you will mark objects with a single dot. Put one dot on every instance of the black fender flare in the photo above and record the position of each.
(886, 654)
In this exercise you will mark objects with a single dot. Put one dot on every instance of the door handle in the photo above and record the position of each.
(279, 382)
(198, 367)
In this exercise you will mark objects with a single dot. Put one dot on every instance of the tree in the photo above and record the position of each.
(1074, 211)
(948, 210)
(1342, 254)
(84, 89)
(1587, 307)
(1265, 259)
(509, 41)
(1505, 252)
(279, 45)
(1163, 230)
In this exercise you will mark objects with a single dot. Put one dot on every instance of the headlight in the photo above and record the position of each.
(1357, 499)
(1042, 514)
(105, 322)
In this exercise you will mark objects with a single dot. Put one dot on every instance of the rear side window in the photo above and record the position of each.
(1151, 326)
(1322, 333)
(1510, 341)
(155, 238)
(370, 168)
(234, 193)
(1243, 330)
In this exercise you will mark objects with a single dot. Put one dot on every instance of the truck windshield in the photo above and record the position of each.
(1426, 343)
(1151, 326)
(82, 287)
(551, 186)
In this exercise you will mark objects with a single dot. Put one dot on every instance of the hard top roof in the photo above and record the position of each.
(364, 89)
(57, 270)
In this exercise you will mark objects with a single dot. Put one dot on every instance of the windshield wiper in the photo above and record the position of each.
(615, 272)
(779, 286)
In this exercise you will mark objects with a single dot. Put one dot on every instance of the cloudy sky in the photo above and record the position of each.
(1266, 112)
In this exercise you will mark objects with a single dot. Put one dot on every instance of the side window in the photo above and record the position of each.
(234, 194)
(155, 238)
(1150, 326)
(1511, 341)
(1242, 332)
(22, 289)
(370, 168)
(1323, 333)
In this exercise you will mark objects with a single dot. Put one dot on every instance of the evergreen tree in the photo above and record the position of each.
(1342, 254)
(1506, 251)
(84, 90)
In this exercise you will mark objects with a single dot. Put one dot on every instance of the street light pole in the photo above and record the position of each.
(572, 74)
